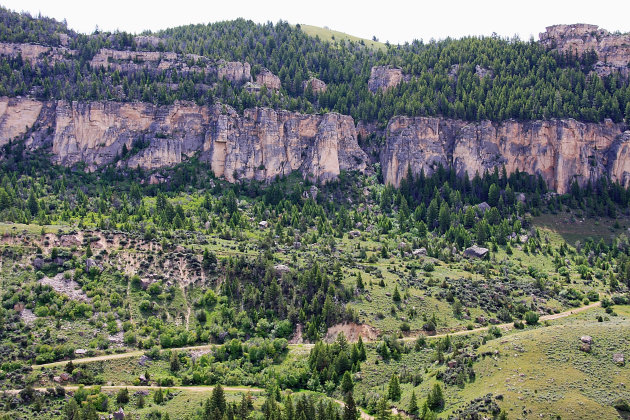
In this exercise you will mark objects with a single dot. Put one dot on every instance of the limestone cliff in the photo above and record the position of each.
(384, 77)
(613, 50)
(268, 79)
(317, 86)
(132, 61)
(559, 150)
(260, 144)
(263, 143)
(35, 53)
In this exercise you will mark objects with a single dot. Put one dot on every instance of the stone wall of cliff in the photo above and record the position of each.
(263, 143)
(613, 50)
(559, 150)
(260, 144)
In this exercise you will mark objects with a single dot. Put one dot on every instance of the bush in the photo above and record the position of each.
(495, 331)
(622, 405)
(531, 318)
(519, 325)
(593, 296)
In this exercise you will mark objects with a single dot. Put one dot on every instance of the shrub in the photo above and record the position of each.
(593, 296)
(495, 331)
(531, 318)
(519, 325)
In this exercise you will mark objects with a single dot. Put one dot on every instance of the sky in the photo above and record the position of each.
(393, 21)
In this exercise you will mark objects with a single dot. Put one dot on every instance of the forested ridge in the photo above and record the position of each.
(472, 78)
(297, 300)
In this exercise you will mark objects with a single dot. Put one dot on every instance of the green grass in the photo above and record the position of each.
(540, 369)
(573, 226)
(327, 34)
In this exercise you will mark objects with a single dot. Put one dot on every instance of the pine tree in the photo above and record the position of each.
(413, 404)
(383, 411)
(435, 399)
(346, 383)
(122, 397)
(32, 204)
(174, 362)
(217, 400)
(393, 390)
(71, 410)
(360, 284)
(158, 396)
(361, 349)
(396, 295)
(350, 408)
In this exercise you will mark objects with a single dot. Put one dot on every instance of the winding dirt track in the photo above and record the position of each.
(509, 325)
(134, 388)
(138, 353)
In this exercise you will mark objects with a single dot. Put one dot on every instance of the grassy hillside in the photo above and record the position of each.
(326, 34)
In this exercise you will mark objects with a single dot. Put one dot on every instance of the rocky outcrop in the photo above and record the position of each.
(261, 144)
(147, 41)
(234, 71)
(35, 53)
(613, 50)
(559, 150)
(129, 61)
(132, 61)
(268, 79)
(317, 86)
(384, 77)
(17, 116)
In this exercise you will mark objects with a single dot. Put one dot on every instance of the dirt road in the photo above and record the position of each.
(135, 388)
(138, 353)
(508, 325)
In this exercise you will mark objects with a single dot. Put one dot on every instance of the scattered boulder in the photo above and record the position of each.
(263, 224)
(420, 252)
(354, 234)
(586, 339)
(483, 207)
(585, 347)
(80, 352)
(281, 269)
(619, 359)
(38, 263)
(476, 252)
(119, 415)
(90, 263)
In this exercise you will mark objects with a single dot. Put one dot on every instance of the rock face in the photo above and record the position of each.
(35, 53)
(132, 61)
(261, 144)
(268, 79)
(475, 252)
(613, 51)
(384, 78)
(559, 150)
(317, 86)
(234, 71)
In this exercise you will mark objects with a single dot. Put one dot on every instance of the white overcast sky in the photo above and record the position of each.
(394, 21)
